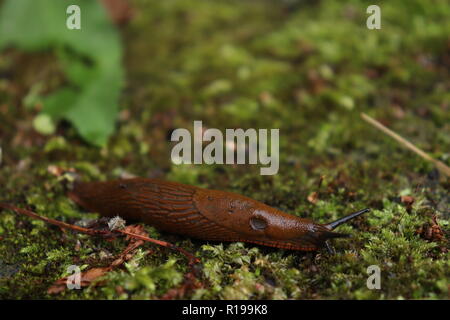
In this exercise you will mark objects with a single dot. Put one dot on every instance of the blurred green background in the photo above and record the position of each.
(104, 100)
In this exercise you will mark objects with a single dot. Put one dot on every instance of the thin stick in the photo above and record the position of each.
(52, 221)
(190, 256)
(439, 164)
(192, 259)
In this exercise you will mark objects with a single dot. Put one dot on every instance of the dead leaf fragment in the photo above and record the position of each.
(189, 284)
(120, 11)
(313, 197)
(431, 231)
(408, 200)
(86, 278)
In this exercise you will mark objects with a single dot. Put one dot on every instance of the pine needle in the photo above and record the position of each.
(442, 167)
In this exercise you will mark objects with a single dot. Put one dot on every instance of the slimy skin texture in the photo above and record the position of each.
(201, 213)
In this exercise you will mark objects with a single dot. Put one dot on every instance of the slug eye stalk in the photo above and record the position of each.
(338, 222)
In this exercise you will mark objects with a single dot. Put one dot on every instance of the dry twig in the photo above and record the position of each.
(439, 164)
(192, 259)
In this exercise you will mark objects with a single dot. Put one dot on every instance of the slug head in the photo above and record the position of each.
(318, 234)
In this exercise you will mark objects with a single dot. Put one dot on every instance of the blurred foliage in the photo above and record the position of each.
(90, 58)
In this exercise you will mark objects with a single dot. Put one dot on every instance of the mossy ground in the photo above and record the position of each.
(306, 67)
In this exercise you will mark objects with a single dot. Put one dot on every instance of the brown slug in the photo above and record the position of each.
(204, 214)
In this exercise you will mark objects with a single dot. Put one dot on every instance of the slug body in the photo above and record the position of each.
(203, 214)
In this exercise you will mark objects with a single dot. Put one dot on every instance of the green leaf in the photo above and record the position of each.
(91, 59)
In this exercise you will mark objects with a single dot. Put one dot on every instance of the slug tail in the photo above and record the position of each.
(75, 193)
(338, 222)
(92, 196)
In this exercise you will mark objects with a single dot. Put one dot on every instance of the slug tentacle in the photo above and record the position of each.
(338, 222)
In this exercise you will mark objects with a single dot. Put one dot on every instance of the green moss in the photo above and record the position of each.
(308, 70)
